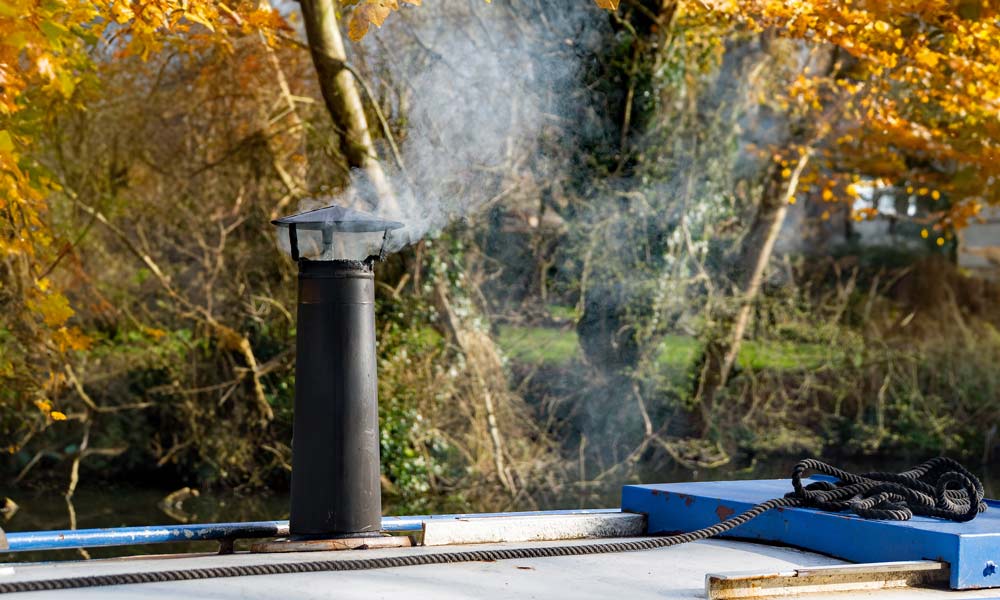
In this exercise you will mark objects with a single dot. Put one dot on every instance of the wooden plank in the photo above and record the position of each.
(826, 579)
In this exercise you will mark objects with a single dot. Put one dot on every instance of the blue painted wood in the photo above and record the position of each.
(971, 549)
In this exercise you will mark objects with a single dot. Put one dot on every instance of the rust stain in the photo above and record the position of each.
(724, 512)
(688, 500)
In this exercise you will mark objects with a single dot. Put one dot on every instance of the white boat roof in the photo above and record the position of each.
(674, 572)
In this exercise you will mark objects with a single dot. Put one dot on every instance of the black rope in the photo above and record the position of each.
(940, 488)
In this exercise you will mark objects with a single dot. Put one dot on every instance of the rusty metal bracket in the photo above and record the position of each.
(367, 542)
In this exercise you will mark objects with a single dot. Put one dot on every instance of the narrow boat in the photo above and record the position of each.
(633, 551)
(927, 532)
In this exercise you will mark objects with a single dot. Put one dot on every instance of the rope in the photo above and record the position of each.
(940, 488)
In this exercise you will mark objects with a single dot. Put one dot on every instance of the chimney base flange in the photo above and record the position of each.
(331, 544)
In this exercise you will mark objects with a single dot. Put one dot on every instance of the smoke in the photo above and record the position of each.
(488, 97)
(477, 85)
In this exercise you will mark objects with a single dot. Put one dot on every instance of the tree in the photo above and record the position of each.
(48, 59)
(910, 105)
(917, 95)
(340, 90)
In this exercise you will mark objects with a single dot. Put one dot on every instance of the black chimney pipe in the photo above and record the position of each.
(336, 491)
(335, 443)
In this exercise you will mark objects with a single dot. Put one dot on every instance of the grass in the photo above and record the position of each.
(554, 347)
(783, 355)
(539, 344)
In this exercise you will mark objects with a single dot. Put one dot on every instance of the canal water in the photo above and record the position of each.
(118, 506)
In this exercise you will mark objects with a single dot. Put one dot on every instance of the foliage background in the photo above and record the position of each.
(589, 191)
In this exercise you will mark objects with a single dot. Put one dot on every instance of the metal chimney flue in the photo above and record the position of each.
(336, 490)
(335, 443)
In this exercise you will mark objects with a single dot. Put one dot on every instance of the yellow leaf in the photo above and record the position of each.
(927, 58)
(154, 332)
(372, 12)
(190, 16)
(54, 309)
(57, 416)
(6, 142)
(71, 338)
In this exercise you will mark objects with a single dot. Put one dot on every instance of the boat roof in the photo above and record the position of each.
(673, 572)
(486, 566)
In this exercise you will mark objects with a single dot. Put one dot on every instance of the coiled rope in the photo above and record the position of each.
(940, 488)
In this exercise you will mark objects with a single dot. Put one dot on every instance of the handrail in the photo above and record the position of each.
(70, 539)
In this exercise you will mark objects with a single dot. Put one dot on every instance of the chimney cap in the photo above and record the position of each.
(337, 218)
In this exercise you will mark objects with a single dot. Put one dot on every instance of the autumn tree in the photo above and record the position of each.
(165, 169)
(50, 60)
(908, 108)
(897, 97)
(342, 92)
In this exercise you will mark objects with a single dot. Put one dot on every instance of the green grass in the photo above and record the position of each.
(539, 344)
(782, 355)
(554, 347)
(566, 313)
(678, 352)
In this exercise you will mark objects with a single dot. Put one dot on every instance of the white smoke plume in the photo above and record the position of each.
(476, 85)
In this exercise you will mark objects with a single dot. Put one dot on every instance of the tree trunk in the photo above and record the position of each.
(343, 100)
(756, 248)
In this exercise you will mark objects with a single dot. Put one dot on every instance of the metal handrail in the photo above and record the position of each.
(71, 539)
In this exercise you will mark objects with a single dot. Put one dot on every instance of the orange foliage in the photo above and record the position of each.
(46, 54)
(915, 99)
(371, 12)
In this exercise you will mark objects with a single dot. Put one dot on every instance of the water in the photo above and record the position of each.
(120, 506)
(100, 506)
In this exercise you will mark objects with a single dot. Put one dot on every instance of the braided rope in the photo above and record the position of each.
(939, 488)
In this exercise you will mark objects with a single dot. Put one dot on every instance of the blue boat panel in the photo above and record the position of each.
(972, 549)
